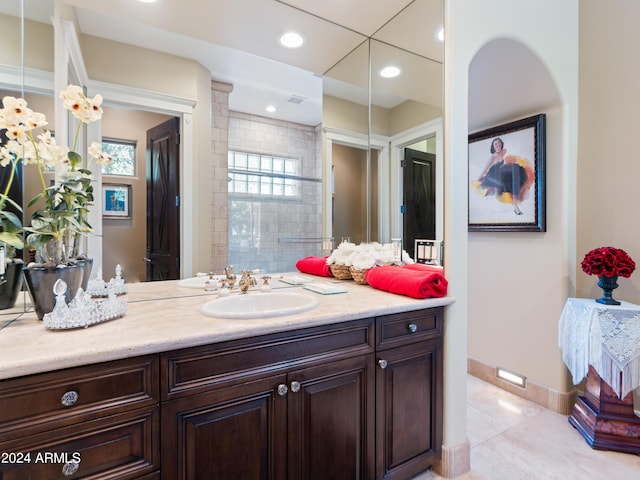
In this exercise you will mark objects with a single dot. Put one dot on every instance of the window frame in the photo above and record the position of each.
(120, 141)
(287, 179)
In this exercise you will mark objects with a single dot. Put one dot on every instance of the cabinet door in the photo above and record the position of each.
(331, 421)
(408, 409)
(234, 433)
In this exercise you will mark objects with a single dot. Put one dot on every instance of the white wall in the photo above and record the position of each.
(550, 30)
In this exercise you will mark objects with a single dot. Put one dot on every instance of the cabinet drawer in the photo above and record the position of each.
(122, 446)
(199, 369)
(408, 327)
(69, 396)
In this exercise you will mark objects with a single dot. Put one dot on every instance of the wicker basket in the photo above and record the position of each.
(359, 275)
(341, 272)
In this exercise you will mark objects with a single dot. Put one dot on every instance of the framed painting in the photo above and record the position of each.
(116, 201)
(507, 177)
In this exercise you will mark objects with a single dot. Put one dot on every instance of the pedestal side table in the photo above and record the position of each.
(602, 343)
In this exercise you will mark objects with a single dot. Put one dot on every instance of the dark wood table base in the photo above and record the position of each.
(605, 421)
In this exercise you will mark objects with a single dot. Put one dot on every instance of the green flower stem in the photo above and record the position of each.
(11, 176)
(75, 143)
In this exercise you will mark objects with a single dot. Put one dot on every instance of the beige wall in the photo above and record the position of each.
(409, 114)
(124, 240)
(349, 170)
(343, 115)
(38, 43)
(492, 275)
(608, 166)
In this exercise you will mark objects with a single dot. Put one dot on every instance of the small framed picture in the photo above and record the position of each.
(116, 201)
(507, 177)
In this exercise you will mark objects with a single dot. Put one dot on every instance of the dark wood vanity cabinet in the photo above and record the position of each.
(356, 400)
(295, 405)
(409, 393)
(99, 421)
(314, 423)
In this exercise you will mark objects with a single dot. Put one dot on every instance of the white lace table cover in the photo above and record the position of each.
(604, 336)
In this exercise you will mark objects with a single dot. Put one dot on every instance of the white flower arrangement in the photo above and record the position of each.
(366, 255)
(57, 225)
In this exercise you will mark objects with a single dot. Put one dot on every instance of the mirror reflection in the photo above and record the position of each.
(254, 204)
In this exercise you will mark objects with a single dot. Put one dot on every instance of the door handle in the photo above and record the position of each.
(147, 259)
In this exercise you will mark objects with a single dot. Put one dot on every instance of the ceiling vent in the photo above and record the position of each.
(297, 99)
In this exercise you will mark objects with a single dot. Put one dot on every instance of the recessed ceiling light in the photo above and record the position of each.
(148, 1)
(291, 40)
(390, 71)
(271, 109)
(440, 35)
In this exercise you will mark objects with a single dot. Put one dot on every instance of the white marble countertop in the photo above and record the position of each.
(162, 316)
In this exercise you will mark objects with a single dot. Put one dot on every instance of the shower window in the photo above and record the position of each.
(263, 175)
(275, 212)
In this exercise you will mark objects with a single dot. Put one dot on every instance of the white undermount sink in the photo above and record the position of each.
(259, 305)
(198, 282)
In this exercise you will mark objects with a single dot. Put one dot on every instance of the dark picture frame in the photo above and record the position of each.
(116, 200)
(507, 185)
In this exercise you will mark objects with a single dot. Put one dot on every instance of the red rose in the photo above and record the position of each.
(608, 261)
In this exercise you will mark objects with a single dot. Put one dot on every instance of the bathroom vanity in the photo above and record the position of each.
(349, 390)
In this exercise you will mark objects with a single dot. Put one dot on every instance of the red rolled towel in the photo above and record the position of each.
(314, 266)
(412, 282)
(423, 267)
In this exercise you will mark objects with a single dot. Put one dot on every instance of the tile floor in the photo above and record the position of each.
(514, 439)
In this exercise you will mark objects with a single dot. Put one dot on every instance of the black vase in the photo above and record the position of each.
(607, 284)
(11, 284)
(88, 266)
(40, 281)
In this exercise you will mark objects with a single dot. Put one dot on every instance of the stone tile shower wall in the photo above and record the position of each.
(289, 229)
(219, 174)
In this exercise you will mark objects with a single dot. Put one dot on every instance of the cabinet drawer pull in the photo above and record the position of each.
(413, 328)
(383, 363)
(70, 468)
(69, 398)
(282, 389)
(295, 386)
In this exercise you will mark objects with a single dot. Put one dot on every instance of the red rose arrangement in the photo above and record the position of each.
(608, 261)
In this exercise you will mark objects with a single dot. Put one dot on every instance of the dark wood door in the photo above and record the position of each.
(163, 202)
(408, 410)
(331, 421)
(235, 433)
(419, 197)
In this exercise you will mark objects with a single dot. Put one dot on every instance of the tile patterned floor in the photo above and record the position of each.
(514, 439)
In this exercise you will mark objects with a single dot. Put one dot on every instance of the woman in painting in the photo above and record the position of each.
(508, 177)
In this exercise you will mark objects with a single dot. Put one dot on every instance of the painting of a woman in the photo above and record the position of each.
(507, 177)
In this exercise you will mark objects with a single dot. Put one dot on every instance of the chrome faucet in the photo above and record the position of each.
(231, 277)
(246, 281)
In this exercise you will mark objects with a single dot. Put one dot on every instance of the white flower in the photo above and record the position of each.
(363, 260)
(102, 158)
(84, 109)
(14, 111)
(5, 156)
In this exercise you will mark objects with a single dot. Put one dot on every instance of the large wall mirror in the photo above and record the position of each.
(383, 123)
(26, 70)
(373, 120)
